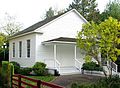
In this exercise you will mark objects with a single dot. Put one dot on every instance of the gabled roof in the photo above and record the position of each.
(37, 25)
(63, 39)
(41, 23)
(60, 40)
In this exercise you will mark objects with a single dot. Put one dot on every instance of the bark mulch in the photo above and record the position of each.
(67, 80)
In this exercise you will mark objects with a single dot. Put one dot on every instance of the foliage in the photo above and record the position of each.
(87, 58)
(43, 78)
(7, 72)
(25, 71)
(16, 67)
(92, 66)
(39, 68)
(100, 38)
(112, 9)
(50, 13)
(3, 39)
(10, 26)
(76, 85)
(87, 8)
(107, 82)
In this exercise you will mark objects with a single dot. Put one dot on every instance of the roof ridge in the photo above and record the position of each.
(38, 24)
(43, 22)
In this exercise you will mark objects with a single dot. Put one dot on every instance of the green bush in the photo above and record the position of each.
(107, 82)
(39, 68)
(74, 85)
(7, 72)
(110, 82)
(91, 66)
(16, 67)
(25, 71)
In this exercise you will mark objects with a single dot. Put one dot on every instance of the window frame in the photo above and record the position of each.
(20, 49)
(13, 49)
(28, 48)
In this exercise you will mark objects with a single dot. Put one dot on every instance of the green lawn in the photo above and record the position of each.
(43, 78)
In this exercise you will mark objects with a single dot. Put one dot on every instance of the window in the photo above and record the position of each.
(13, 49)
(28, 48)
(20, 48)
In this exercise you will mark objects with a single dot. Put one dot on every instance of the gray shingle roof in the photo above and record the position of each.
(37, 25)
(41, 23)
(63, 39)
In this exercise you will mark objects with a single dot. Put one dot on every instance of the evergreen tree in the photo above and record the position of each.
(50, 13)
(112, 10)
(87, 8)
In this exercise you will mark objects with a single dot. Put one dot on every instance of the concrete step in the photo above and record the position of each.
(69, 70)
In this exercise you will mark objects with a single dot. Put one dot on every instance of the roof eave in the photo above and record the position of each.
(12, 37)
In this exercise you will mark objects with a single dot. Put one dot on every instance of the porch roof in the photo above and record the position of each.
(61, 40)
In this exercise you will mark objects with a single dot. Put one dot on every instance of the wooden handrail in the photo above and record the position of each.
(112, 65)
(79, 63)
(17, 78)
(58, 63)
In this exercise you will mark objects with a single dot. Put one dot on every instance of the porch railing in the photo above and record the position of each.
(78, 64)
(51, 63)
(112, 65)
(57, 65)
(20, 81)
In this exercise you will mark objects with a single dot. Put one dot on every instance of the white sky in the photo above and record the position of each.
(29, 12)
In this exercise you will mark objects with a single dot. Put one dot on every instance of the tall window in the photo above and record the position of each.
(13, 49)
(20, 48)
(28, 48)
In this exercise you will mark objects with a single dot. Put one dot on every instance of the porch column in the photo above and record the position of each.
(75, 52)
(55, 52)
(75, 55)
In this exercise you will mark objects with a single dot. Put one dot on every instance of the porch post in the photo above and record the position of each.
(75, 55)
(55, 51)
(75, 51)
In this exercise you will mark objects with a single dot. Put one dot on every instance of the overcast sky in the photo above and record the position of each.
(29, 12)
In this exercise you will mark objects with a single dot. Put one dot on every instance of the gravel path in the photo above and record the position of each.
(67, 80)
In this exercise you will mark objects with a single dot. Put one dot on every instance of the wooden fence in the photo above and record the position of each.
(20, 81)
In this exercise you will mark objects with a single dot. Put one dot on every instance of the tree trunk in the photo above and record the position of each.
(99, 62)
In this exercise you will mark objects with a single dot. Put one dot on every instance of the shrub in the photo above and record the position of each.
(75, 85)
(16, 67)
(87, 58)
(25, 71)
(39, 68)
(7, 72)
(107, 82)
(110, 82)
(92, 66)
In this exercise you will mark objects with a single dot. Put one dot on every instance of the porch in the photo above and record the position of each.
(66, 56)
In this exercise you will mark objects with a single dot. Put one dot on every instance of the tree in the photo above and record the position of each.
(99, 38)
(112, 9)
(4, 51)
(52, 12)
(87, 8)
(10, 26)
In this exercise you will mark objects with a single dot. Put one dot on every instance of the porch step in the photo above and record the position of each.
(69, 70)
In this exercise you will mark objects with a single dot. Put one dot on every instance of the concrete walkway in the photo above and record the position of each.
(67, 80)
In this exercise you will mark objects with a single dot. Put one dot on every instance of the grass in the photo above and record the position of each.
(43, 78)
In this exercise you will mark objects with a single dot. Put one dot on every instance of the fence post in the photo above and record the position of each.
(11, 81)
(19, 81)
(38, 84)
